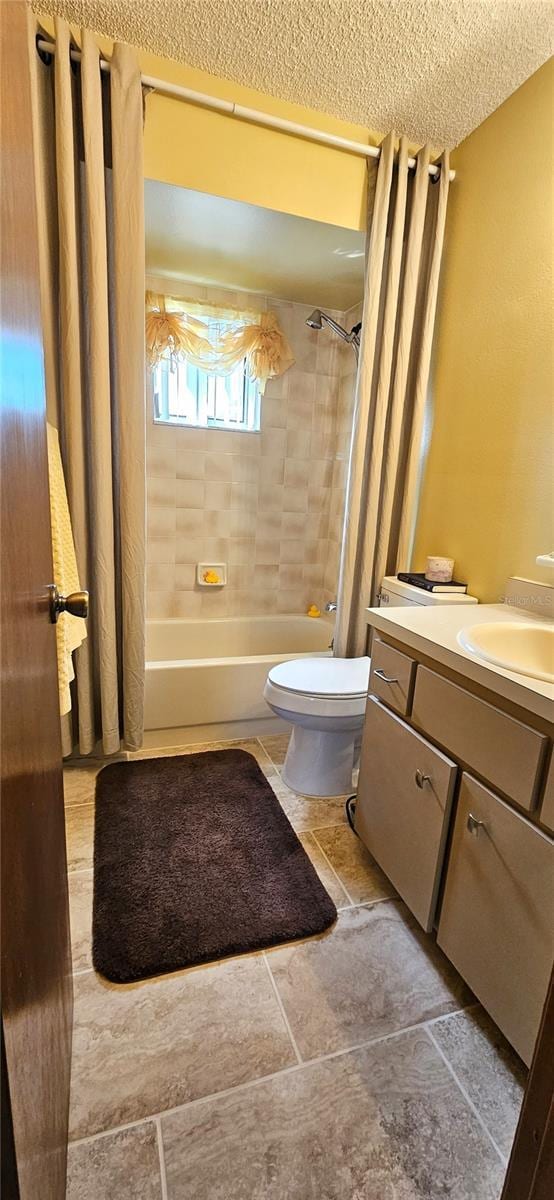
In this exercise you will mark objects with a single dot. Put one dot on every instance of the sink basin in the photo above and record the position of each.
(525, 647)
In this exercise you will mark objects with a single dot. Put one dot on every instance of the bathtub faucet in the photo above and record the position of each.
(330, 607)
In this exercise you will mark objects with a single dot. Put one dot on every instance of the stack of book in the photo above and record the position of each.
(418, 579)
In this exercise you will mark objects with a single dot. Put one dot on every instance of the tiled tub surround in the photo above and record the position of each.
(350, 1065)
(262, 502)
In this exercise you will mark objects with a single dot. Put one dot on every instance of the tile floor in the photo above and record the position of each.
(351, 1066)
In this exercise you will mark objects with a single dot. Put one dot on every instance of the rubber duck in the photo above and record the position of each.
(211, 577)
(313, 611)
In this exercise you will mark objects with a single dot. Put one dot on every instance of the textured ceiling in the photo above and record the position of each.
(433, 69)
(210, 239)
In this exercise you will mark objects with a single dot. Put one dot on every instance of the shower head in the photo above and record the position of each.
(316, 319)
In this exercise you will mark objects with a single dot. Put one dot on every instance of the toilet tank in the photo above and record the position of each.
(396, 594)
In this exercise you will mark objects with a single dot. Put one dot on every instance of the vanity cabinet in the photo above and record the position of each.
(496, 915)
(476, 865)
(403, 807)
(503, 751)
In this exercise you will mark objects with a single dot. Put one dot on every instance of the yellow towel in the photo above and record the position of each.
(70, 631)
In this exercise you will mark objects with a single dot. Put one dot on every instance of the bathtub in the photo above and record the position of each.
(212, 672)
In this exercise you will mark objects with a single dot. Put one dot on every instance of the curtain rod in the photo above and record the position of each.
(253, 115)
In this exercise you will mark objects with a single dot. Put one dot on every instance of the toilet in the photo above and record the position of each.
(324, 699)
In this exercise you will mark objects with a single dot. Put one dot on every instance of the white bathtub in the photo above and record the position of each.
(212, 672)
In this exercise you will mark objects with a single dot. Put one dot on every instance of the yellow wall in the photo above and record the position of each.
(194, 147)
(488, 498)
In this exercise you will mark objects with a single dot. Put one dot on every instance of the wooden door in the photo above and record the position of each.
(36, 978)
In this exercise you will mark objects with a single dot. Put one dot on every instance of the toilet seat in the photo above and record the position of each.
(341, 678)
(320, 686)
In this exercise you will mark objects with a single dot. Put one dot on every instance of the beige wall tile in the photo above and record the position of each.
(292, 601)
(267, 550)
(160, 550)
(185, 577)
(214, 604)
(270, 496)
(160, 460)
(290, 577)
(297, 472)
(188, 549)
(273, 443)
(293, 525)
(217, 522)
(292, 552)
(244, 469)
(190, 522)
(272, 469)
(273, 411)
(160, 577)
(298, 443)
(160, 521)
(217, 495)
(161, 490)
(215, 549)
(266, 575)
(218, 466)
(241, 550)
(244, 495)
(190, 464)
(159, 604)
(269, 524)
(295, 499)
(241, 524)
(190, 493)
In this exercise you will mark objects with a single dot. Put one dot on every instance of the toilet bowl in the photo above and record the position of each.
(324, 700)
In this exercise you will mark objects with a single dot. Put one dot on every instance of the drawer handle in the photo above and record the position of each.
(386, 678)
(474, 825)
(421, 779)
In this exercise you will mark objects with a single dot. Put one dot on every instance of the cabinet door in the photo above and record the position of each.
(496, 916)
(404, 799)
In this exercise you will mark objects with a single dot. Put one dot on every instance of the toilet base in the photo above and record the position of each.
(321, 762)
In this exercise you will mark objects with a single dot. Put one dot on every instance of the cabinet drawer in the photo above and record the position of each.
(546, 815)
(404, 799)
(501, 749)
(391, 676)
(496, 916)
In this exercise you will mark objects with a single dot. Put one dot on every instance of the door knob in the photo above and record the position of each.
(76, 603)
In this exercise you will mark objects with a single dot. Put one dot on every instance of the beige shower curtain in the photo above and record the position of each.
(91, 229)
(406, 222)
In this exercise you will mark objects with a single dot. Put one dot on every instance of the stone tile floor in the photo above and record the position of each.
(351, 1066)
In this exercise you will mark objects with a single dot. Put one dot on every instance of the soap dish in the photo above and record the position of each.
(211, 575)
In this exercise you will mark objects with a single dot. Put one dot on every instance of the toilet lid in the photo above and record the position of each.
(339, 677)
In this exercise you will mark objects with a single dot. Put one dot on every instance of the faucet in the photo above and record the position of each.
(330, 606)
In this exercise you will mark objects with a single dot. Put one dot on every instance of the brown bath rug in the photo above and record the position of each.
(194, 859)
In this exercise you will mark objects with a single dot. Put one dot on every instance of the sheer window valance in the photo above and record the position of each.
(216, 338)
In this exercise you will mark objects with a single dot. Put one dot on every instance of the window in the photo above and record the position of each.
(185, 394)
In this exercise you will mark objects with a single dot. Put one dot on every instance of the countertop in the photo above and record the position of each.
(434, 631)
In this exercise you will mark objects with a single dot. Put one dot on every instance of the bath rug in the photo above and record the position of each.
(194, 860)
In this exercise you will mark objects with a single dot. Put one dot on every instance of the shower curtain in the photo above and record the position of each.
(90, 183)
(406, 220)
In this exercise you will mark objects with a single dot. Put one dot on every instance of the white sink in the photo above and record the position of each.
(525, 647)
